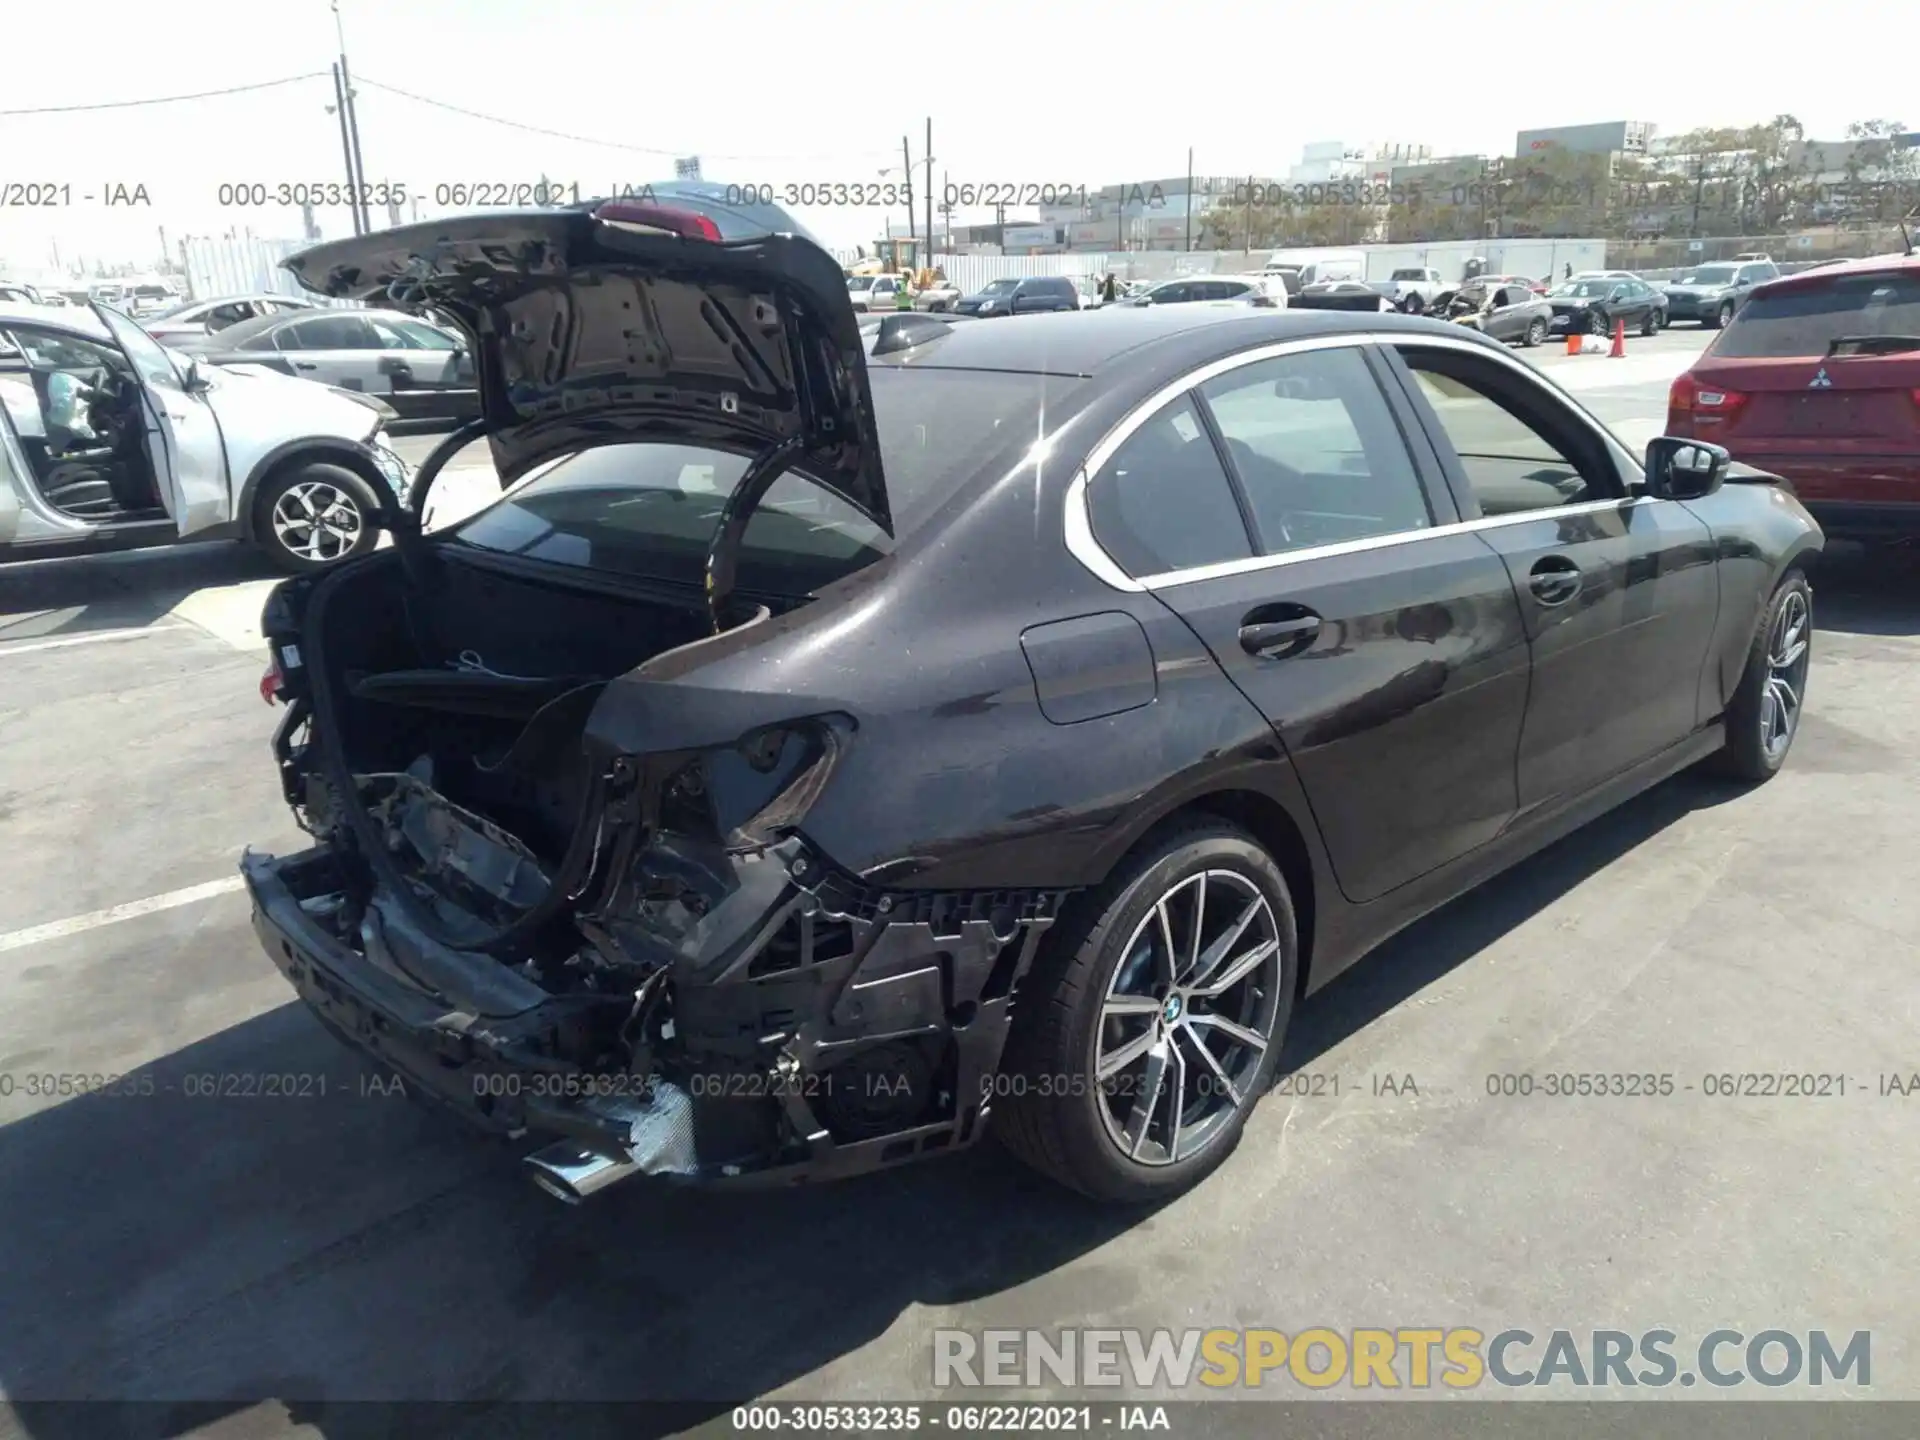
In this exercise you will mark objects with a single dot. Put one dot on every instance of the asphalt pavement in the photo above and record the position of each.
(194, 1239)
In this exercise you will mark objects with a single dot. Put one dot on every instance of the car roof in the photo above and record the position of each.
(1890, 264)
(1086, 343)
(70, 318)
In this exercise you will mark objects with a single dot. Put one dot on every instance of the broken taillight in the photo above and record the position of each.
(272, 682)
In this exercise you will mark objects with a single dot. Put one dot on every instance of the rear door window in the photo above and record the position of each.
(1803, 321)
(330, 332)
(1317, 450)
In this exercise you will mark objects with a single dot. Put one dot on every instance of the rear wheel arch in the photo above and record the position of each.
(1264, 818)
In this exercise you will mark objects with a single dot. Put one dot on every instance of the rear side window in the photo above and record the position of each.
(1163, 502)
(1804, 321)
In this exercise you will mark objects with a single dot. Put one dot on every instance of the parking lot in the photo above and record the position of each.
(345, 1244)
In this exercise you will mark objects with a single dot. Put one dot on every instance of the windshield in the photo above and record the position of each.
(173, 312)
(1803, 321)
(1707, 275)
(650, 511)
(1408, 275)
(859, 282)
(1000, 287)
(1586, 289)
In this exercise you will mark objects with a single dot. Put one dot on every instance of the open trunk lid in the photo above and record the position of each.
(668, 316)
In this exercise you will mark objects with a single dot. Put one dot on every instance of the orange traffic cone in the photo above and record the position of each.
(1573, 342)
(1619, 340)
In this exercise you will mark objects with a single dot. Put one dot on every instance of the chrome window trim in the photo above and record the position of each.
(1193, 575)
(1077, 514)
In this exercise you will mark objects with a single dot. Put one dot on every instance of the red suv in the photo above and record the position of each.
(1817, 378)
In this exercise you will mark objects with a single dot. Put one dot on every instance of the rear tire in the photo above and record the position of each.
(1764, 715)
(311, 517)
(1650, 326)
(1109, 995)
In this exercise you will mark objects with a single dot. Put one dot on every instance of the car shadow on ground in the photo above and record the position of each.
(1861, 591)
(1454, 934)
(127, 590)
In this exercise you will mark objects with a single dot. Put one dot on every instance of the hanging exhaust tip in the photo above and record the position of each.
(571, 1173)
(660, 1143)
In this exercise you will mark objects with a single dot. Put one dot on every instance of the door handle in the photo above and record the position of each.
(1554, 580)
(305, 365)
(1275, 632)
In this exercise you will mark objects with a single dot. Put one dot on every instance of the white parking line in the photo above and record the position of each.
(153, 904)
(27, 647)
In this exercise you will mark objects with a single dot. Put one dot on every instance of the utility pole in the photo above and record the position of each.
(362, 220)
(1189, 199)
(906, 172)
(339, 107)
(929, 164)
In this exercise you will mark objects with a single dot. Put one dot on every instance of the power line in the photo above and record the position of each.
(166, 99)
(563, 135)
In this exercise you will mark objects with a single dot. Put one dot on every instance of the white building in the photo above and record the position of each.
(1372, 164)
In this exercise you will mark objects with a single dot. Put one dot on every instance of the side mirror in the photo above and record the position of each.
(1685, 469)
(195, 381)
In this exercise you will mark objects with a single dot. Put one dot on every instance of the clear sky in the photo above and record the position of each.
(1067, 93)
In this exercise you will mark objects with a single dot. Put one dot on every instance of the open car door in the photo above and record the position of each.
(190, 460)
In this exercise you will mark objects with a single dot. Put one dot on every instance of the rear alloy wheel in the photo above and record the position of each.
(1650, 326)
(1152, 1024)
(1536, 332)
(313, 516)
(1764, 715)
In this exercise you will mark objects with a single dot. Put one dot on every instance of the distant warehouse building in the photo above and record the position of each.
(1612, 137)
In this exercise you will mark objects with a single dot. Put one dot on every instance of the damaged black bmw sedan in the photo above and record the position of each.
(814, 757)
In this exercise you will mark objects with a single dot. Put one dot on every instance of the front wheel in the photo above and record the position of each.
(1722, 316)
(1536, 333)
(1152, 1023)
(1764, 715)
(312, 516)
(1650, 326)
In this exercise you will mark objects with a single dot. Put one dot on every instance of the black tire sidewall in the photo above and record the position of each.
(1100, 1168)
(1744, 756)
(1536, 332)
(338, 476)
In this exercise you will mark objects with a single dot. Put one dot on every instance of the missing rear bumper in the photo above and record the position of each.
(809, 1026)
